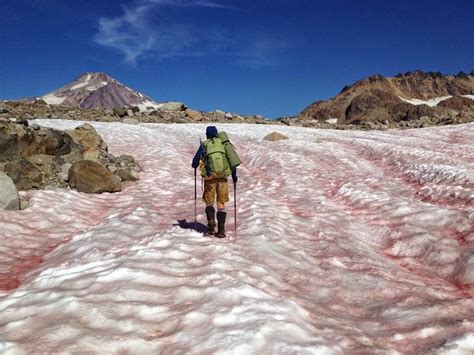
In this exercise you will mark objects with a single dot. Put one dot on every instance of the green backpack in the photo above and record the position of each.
(216, 160)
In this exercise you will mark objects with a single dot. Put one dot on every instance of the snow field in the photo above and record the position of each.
(347, 242)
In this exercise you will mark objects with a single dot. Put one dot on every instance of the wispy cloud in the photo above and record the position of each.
(145, 31)
(191, 3)
(130, 33)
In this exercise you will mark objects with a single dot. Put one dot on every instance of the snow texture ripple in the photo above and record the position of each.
(348, 242)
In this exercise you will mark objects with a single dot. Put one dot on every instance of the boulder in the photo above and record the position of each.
(130, 113)
(91, 154)
(194, 115)
(275, 136)
(9, 199)
(3, 110)
(22, 121)
(127, 175)
(91, 177)
(57, 143)
(24, 174)
(130, 120)
(229, 116)
(87, 136)
(172, 106)
(120, 111)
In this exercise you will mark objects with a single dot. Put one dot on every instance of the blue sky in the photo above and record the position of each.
(269, 57)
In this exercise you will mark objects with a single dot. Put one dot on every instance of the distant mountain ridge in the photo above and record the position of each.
(98, 90)
(378, 98)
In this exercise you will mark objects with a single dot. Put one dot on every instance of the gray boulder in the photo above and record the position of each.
(9, 199)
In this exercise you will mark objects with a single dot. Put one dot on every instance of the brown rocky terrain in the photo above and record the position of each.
(167, 113)
(36, 157)
(431, 97)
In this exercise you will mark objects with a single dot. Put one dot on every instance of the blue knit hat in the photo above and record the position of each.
(211, 132)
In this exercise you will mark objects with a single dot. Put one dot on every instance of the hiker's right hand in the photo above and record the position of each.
(234, 176)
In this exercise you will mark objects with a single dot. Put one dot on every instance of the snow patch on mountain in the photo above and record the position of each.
(52, 99)
(430, 102)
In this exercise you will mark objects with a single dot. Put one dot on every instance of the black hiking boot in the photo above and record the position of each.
(221, 224)
(211, 222)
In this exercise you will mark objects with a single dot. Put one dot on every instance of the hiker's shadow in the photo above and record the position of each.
(198, 227)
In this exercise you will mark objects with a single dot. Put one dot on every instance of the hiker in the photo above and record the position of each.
(217, 160)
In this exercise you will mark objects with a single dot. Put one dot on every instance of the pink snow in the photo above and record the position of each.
(347, 242)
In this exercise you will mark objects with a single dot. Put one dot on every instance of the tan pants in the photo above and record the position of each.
(213, 187)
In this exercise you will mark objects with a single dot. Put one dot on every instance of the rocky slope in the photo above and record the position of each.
(405, 97)
(98, 90)
(171, 112)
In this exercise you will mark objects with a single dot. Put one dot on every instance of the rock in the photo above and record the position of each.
(57, 143)
(288, 121)
(135, 109)
(259, 117)
(120, 111)
(87, 136)
(40, 102)
(127, 175)
(172, 106)
(24, 174)
(24, 204)
(35, 127)
(109, 112)
(64, 174)
(229, 116)
(3, 110)
(22, 122)
(219, 112)
(194, 115)
(9, 199)
(130, 120)
(130, 113)
(275, 136)
(126, 158)
(91, 154)
(91, 177)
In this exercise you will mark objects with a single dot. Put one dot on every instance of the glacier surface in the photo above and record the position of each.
(347, 242)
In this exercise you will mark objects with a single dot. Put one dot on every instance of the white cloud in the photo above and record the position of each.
(131, 33)
(190, 3)
(145, 31)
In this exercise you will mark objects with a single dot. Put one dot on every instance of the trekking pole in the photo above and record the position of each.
(235, 209)
(195, 200)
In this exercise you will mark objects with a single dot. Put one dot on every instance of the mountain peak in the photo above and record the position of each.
(98, 90)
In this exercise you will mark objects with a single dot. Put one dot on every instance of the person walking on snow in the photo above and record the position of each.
(212, 158)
